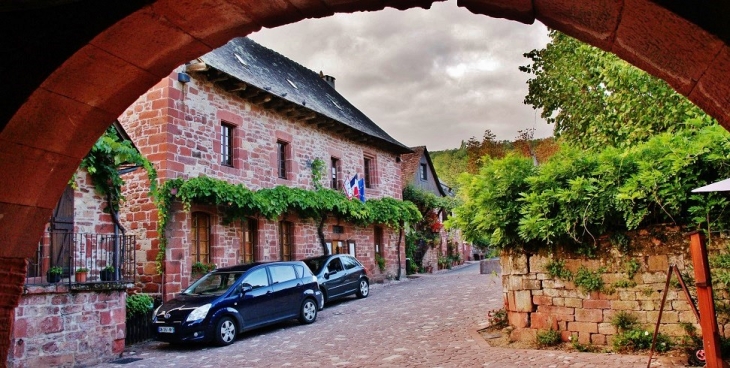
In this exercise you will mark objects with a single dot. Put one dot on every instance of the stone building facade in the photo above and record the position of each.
(419, 172)
(243, 115)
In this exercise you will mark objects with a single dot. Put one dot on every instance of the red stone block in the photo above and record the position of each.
(118, 346)
(566, 336)
(105, 318)
(589, 315)
(51, 324)
(584, 327)
(518, 320)
(592, 22)
(596, 304)
(542, 321)
(542, 300)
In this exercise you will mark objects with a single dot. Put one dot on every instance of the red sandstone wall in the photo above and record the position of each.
(54, 327)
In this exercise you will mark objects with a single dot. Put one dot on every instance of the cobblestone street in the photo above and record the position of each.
(430, 321)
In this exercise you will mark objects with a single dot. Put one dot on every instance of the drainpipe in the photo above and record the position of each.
(117, 228)
(400, 237)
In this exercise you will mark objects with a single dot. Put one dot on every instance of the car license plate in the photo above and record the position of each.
(166, 329)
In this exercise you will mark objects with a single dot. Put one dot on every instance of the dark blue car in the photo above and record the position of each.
(230, 300)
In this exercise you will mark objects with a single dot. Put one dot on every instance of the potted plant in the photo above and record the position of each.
(81, 273)
(54, 274)
(107, 273)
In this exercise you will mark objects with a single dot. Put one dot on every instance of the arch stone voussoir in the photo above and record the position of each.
(518, 10)
(665, 45)
(592, 22)
(214, 22)
(713, 89)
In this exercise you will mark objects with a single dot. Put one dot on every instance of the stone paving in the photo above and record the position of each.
(430, 321)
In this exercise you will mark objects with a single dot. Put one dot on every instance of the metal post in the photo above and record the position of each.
(708, 320)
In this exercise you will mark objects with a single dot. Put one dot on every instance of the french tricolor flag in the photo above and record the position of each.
(355, 188)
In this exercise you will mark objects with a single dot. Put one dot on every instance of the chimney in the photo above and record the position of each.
(328, 78)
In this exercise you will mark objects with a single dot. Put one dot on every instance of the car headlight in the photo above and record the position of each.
(154, 314)
(198, 313)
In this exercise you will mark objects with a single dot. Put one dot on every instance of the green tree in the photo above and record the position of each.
(596, 99)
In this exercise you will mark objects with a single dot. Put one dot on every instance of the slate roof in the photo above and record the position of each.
(263, 68)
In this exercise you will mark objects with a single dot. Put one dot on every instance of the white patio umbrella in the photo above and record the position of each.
(720, 186)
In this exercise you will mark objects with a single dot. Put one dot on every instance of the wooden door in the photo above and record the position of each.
(62, 228)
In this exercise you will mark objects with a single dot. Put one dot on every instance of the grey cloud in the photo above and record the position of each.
(394, 66)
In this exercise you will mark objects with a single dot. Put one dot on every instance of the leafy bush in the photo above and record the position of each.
(548, 337)
(624, 321)
(589, 280)
(139, 304)
(637, 339)
(381, 262)
(578, 195)
(632, 266)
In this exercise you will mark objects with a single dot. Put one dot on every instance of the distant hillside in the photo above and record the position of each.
(449, 164)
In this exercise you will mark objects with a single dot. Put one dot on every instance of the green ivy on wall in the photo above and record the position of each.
(238, 202)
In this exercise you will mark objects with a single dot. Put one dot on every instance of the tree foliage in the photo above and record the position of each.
(596, 99)
(578, 196)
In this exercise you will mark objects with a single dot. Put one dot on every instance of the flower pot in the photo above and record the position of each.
(106, 275)
(81, 277)
(53, 277)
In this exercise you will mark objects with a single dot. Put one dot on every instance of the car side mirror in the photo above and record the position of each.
(327, 275)
(245, 289)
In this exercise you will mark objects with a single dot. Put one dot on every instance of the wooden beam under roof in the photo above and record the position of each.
(261, 99)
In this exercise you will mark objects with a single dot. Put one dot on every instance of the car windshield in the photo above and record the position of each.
(213, 283)
(315, 264)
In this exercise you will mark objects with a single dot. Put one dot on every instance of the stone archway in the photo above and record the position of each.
(74, 65)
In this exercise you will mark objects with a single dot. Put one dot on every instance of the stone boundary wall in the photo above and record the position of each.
(536, 301)
(55, 327)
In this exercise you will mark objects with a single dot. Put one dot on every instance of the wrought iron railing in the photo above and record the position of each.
(105, 257)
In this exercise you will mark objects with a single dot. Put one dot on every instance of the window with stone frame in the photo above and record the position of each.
(286, 240)
(369, 171)
(250, 240)
(335, 176)
(378, 240)
(226, 144)
(200, 237)
(282, 159)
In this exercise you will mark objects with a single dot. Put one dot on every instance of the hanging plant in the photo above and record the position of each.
(102, 163)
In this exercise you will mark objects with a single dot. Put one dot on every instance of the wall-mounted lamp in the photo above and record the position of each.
(183, 77)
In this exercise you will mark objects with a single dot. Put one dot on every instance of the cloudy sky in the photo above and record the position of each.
(427, 77)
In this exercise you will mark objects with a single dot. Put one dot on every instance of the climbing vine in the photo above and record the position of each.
(102, 163)
(238, 202)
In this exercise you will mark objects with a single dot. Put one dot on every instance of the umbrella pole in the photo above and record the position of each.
(708, 321)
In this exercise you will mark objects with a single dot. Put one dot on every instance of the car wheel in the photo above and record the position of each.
(225, 331)
(364, 290)
(308, 312)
